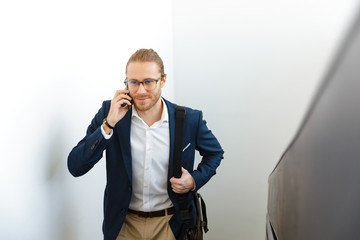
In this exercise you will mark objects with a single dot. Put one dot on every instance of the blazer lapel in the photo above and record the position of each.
(123, 131)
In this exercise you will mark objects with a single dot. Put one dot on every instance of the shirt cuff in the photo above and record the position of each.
(106, 136)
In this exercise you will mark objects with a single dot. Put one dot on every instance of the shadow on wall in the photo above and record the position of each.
(313, 191)
(62, 222)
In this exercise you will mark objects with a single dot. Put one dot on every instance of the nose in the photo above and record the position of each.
(141, 88)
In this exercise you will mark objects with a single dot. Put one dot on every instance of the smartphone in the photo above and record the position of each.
(124, 104)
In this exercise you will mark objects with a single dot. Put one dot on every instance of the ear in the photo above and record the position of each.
(163, 80)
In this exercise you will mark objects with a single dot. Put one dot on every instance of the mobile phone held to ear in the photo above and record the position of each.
(124, 104)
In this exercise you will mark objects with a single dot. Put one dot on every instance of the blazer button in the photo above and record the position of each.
(129, 188)
(94, 144)
(123, 210)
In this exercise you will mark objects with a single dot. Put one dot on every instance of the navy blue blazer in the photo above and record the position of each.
(118, 189)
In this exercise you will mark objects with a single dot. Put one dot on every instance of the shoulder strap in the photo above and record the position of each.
(204, 221)
(179, 139)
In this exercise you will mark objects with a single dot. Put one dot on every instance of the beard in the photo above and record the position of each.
(145, 102)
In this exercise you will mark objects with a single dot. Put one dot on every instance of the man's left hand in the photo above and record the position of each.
(184, 184)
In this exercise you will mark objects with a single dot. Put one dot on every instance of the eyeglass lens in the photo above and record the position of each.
(147, 84)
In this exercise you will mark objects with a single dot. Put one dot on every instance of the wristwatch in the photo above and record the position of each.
(107, 124)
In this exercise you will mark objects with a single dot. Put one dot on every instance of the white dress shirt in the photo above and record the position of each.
(150, 148)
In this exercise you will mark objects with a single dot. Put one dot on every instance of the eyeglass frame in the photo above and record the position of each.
(144, 86)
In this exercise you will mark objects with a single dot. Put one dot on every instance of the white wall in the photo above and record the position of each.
(58, 61)
(252, 67)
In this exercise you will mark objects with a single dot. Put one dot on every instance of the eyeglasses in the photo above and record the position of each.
(148, 84)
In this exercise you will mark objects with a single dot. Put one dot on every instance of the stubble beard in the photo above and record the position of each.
(152, 100)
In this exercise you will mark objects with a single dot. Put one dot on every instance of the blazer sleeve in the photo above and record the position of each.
(211, 152)
(90, 149)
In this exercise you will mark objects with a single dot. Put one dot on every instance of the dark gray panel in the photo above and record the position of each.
(314, 190)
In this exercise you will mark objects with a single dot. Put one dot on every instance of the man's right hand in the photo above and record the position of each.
(116, 112)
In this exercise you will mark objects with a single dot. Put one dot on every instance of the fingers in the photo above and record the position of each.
(119, 103)
(117, 111)
(175, 180)
(121, 97)
(124, 103)
(177, 185)
(183, 184)
(120, 94)
(122, 91)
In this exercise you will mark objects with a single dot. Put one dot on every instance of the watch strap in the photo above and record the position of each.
(107, 124)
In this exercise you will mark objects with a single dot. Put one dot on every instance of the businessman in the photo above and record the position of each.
(137, 131)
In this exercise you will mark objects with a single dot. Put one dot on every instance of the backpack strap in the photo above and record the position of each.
(179, 139)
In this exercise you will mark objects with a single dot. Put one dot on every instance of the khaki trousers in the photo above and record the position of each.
(137, 228)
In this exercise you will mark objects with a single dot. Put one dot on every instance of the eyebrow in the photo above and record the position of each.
(149, 78)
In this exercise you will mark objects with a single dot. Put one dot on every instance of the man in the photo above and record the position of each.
(137, 130)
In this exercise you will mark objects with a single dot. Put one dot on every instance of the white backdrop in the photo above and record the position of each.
(59, 60)
(251, 66)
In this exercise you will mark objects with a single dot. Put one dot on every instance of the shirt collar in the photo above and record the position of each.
(164, 114)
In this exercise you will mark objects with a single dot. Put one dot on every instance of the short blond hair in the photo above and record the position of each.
(147, 55)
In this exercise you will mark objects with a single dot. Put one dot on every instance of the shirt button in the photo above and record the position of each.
(145, 186)
(147, 169)
(146, 202)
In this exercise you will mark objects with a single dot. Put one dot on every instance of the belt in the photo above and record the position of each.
(159, 213)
